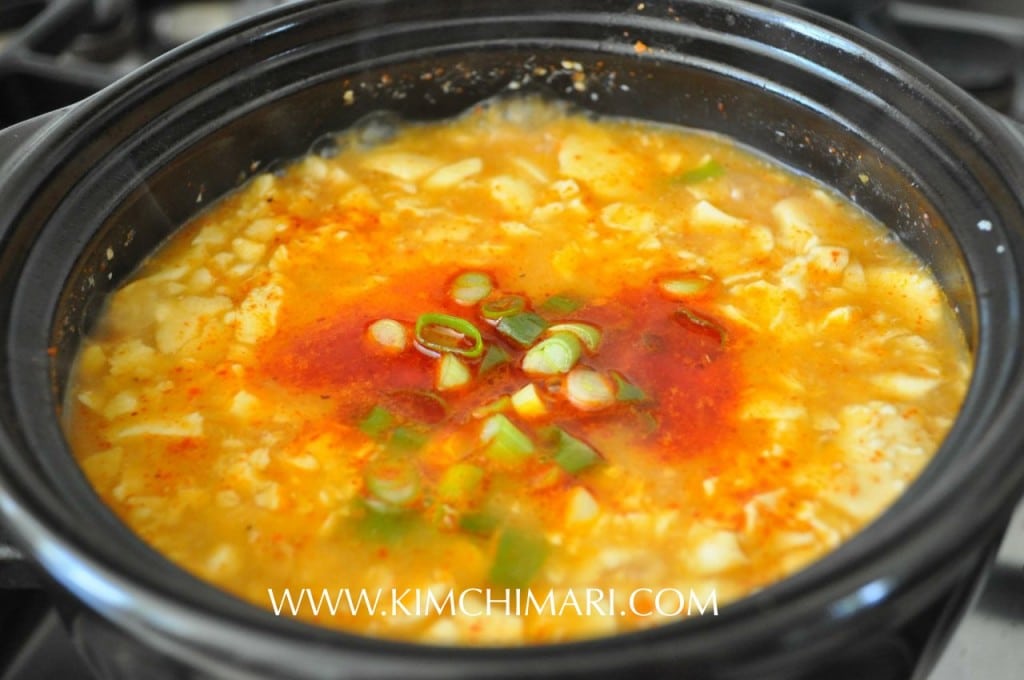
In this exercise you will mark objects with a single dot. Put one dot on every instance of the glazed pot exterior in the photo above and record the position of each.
(90, 191)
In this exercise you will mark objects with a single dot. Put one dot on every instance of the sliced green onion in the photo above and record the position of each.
(497, 406)
(452, 374)
(588, 390)
(377, 422)
(389, 335)
(523, 328)
(494, 357)
(572, 454)
(561, 304)
(481, 523)
(627, 391)
(682, 286)
(503, 306)
(709, 169)
(700, 323)
(405, 439)
(505, 443)
(589, 335)
(518, 558)
(446, 333)
(554, 355)
(528, 404)
(459, 482)
(470, 288)
(384, 523)
(396, 483)
(648, 422)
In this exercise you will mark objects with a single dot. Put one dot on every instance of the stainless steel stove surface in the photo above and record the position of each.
(55, 52)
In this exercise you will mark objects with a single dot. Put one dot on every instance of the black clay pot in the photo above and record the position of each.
(117, 173)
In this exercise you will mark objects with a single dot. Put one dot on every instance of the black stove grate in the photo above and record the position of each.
(978, 44)
(56, 52)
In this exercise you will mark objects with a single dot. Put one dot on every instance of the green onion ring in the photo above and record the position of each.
(503, 306)
(452, 323)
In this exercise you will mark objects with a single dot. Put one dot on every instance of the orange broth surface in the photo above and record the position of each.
(727, 371)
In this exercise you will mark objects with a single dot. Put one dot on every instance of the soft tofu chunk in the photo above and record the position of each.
(704, 215)
(190, 425)
(182, 320)
(914, 294)
(795, 227)
(515, 196)
(408, 167)
(598, 163)
(257, 315)
(717, 552)
(452, 175)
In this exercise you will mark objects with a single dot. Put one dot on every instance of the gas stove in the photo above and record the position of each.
(56, 52)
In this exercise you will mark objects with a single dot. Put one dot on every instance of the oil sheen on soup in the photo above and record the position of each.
(519, 377)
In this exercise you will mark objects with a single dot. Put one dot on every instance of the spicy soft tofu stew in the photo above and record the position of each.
(519, 377)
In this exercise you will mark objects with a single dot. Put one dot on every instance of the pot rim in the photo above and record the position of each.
(119, 595)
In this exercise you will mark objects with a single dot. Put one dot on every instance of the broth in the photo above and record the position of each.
(520, 377)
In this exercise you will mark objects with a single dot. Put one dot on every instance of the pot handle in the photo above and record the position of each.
(18, 138)
(16, 572)
(1015, 126)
